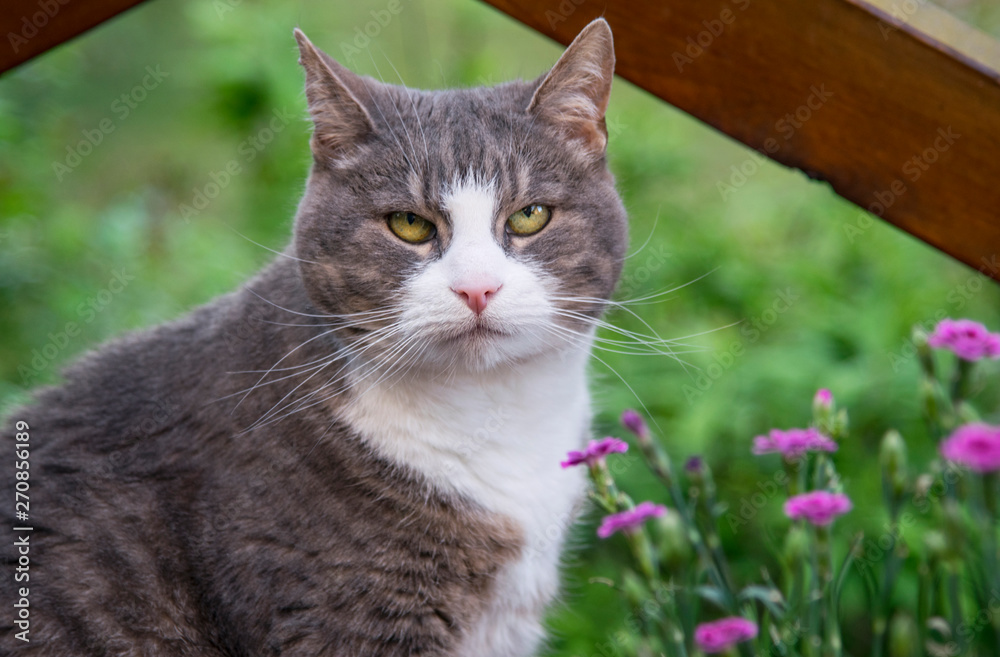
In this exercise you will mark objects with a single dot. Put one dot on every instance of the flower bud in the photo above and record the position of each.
(635, 589)
(823, 411)
(954, 530)
(840, 425)
(924, 351)
(929, 400)
(797, 546)
(892, 457)
(675, 546)
(700, 477)
(632, 421)
(822, 401)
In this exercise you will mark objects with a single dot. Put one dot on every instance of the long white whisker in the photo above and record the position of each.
(294, 312)
(347, 386)
(267, 248)
(650, 351)
(263, 376)
(652, 230)
(278, 408)
(634, 394)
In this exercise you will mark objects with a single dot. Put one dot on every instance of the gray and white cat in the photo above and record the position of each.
(374, 469)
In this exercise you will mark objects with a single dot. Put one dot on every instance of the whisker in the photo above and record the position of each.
(348, 386)
(645, 410)
(277, 408)
(652, 230)
(263, 376)
(650, 351)
(636, 301)
(409, 95)
(267, 248)
(371, 96)
(294, 312)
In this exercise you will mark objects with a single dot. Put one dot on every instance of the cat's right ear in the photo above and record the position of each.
(574, 95)
(339, 119)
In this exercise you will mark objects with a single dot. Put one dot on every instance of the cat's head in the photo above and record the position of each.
(462, 228)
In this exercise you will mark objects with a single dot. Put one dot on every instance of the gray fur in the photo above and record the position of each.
(176, 515)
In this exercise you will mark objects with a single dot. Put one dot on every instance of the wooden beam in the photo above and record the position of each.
(897, 106)
(30, 27)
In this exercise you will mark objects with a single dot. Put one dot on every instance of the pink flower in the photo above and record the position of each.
(968, 339)
(976, 446)
(818, 507)
(595, 452)
(724, 633)
(823, 398)
(630, 520)
(793, 443)
(632, 421)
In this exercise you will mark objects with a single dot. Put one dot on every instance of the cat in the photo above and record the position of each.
(357, 453)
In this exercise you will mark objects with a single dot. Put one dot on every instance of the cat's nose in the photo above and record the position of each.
(476, 295)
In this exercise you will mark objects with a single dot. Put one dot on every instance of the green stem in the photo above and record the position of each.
(661, 466)
(812, 627)
(674, 634)
(892, 564)
(988, 524)
(604, 483)
(954, 604)
(960, 382)
(925, 592)
(824, 562)
(642, 550)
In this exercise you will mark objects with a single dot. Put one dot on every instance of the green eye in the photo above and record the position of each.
(529, 220)
(411, 227)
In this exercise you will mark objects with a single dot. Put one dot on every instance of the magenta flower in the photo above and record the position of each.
(595, 452)
(823, 398)
(969, 340)
(724, 633)
(632, 421)
(630, 520)
(793, 443)
(819, 507)
(976, 446)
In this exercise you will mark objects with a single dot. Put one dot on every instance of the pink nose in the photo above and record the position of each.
(476, 295)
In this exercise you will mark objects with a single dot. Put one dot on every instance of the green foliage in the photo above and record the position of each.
(782, 299)
(941, 529)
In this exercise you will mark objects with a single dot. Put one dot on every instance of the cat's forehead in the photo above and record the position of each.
(432, 142)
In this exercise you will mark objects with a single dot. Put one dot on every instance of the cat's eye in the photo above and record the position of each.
(529, 220)
(411, 227)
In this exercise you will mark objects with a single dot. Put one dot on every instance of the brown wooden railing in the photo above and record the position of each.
(30, 27)
(895, 103)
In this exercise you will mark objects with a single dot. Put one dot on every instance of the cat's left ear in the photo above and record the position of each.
(341, 121)
(574, 95)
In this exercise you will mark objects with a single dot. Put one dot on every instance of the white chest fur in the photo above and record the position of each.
(496, 438)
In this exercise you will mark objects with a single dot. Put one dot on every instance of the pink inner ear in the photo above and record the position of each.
(575, 93)
(338, 116)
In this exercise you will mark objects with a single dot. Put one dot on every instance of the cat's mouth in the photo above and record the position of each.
(480, 330)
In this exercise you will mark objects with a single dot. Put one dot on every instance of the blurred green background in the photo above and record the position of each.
(791, 302)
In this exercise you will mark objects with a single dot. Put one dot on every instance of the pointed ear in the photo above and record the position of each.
(574, 95)
(339, 119)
